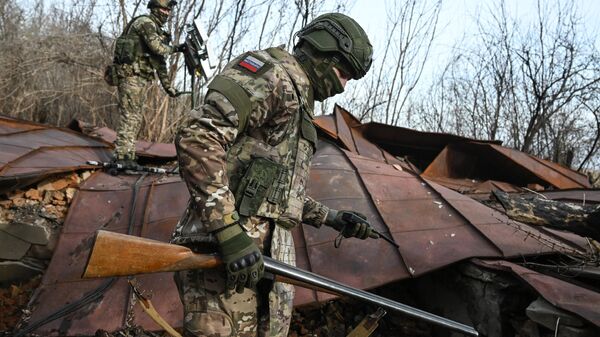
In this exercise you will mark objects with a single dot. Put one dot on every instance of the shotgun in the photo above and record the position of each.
(115, 254)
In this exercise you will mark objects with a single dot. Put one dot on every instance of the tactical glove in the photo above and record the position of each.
(172, 92)
(350, 224)
(243, 261)
(180, 48)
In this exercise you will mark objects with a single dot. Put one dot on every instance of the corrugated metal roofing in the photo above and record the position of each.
(433, 225)
(144, 149)
(32, 152)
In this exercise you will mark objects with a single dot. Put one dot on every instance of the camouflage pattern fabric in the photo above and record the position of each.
(134, 79)
(214, 148)
(211, 156)
(132, 93)
(207, 311)
(281, 297)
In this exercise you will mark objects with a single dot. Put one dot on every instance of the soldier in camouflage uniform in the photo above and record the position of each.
(245, 156)
(139, 52)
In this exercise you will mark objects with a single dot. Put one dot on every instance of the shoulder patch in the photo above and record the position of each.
(253, 64)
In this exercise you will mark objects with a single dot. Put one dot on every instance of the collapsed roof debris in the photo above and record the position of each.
(434, 225)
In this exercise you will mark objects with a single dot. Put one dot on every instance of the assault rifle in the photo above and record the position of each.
(116, 254)
(197, 55)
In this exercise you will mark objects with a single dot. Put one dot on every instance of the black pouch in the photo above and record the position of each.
(256, 185)
(110, 75)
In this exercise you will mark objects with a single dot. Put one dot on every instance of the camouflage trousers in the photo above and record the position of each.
(132, 94)
(207, 312)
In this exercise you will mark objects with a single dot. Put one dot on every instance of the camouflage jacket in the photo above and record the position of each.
(152, 48)
(252, 117)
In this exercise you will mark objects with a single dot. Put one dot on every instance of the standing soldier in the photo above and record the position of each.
(139, 52)
(245, 157)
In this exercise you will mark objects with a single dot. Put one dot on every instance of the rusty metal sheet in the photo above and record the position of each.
(512, 238)
(433, 225)
(493, 162)
(105, 201)
(326, 124)
(430, 234)
(559, 176)
(343, 129)
(144, 149)
(32, 152)
(419, 147)
(474, 187)
(10, 125)
(564, 295)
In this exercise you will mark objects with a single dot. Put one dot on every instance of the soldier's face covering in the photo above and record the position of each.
(161, 14)
(323, 78)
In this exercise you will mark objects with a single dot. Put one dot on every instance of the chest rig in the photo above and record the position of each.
(131, 52)
(269, 180)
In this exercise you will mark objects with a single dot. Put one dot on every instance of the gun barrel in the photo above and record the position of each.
(285, 270)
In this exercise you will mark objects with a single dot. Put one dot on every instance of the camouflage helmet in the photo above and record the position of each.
(166, 4)
(338, 33)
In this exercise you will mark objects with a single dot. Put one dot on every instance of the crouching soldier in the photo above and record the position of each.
(245, 156)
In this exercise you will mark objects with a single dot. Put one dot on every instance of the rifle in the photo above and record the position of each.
(115, 254)
(197, 55)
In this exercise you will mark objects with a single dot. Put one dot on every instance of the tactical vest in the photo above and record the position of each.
(269, 181)
(131, 50)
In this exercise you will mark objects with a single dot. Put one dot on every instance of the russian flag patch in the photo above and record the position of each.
(251, 64)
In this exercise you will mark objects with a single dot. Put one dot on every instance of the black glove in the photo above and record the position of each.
(172, 92)
(243, 261)
(180, 48)
(350, 224)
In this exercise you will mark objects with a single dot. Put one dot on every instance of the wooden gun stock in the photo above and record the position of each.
(115, 254)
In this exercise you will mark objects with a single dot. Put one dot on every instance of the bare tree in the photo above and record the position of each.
(385, 92)
(524, 84)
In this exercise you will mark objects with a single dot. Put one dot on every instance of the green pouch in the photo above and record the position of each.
(126, 49)
(309, 131)
(256, 185)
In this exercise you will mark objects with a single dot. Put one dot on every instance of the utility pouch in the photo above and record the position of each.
(126, 49)
(257, 185)
(110, 75)
(308, 129)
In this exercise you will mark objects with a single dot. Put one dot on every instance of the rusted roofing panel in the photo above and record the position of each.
(429, 233)
(344, 134)
(433, 225)
(471, 186)
(105, 201)
(164, 151)
(555, 174)
(10, 125)
(560, 293)
(334, 182)
(493, 162)
(33, 152)
(326, 124)
(512, 238)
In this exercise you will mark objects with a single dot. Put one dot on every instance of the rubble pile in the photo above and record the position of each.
(338, 318)
(30, 224)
